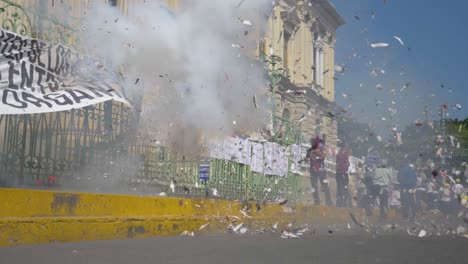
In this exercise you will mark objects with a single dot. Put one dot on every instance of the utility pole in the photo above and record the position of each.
(443, 107)
(426, 114)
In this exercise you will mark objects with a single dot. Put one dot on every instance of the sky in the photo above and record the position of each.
(427, 71)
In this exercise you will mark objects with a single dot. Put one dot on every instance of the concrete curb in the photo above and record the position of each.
(38, 217)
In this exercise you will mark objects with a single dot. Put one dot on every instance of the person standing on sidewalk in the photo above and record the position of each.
(458, 190)
(379, 180)
(408, 179)
(342, 177)
(445, 202)
(316, 155)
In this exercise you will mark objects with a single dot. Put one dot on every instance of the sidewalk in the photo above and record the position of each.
(39, 217)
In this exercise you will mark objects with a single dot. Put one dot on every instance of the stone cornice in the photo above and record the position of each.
(319, 15)
(326, 13)
(290, 20)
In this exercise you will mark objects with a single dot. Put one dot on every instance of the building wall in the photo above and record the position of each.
(295, 33)
(293, 36)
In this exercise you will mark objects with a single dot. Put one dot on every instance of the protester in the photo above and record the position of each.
(458, 190)
(445, 202)
(407, 178)
(420, 190)
(343, 197)
(316, 155)
(431, 193)
(379, 182)
(361, 186)
(395, 199)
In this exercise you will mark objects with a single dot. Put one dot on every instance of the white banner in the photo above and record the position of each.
(296, 157)
(269, 158)
(256, 163)
(281, 161)
(38, 77)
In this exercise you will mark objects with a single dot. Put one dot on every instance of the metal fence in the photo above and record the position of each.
(159, 167)
(34, 147)
(34, 19)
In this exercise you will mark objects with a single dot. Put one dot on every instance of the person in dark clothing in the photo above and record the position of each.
(408, 180)
(316, 155)
(342, 178)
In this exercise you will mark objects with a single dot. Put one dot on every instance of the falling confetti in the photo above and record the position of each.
(379, 45)
(245, 22)
(418, 123)
(405, 86)
(399, 40)
(340, 69)
(172, 186)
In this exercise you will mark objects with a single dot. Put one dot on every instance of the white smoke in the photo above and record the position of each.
(197, 64)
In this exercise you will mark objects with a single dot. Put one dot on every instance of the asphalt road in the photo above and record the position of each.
(248, 248)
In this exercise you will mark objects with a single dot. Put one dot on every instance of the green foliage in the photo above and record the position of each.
(421, 142)
(459, 130)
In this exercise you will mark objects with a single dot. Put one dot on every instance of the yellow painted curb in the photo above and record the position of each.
(37, 217)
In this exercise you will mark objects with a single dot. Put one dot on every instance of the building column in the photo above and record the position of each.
(321, 63)
(316, 64)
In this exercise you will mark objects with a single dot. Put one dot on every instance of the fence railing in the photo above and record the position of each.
(34, 20)
(229, 180)
(286, 132)
(34, 147)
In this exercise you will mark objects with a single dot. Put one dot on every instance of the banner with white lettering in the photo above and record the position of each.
(39, 77)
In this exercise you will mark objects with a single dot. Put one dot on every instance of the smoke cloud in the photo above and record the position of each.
(194, 68)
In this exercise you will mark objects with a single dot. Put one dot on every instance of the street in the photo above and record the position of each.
(260, 248)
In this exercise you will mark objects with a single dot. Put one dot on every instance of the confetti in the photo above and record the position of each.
(379, 45)
(399, 40)
(422, 233)
(203, 226)
(245, 22)
(172, 186)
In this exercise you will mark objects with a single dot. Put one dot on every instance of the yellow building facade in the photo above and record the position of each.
(303, 35)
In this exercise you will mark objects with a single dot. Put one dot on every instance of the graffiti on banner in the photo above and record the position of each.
(39, 77)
